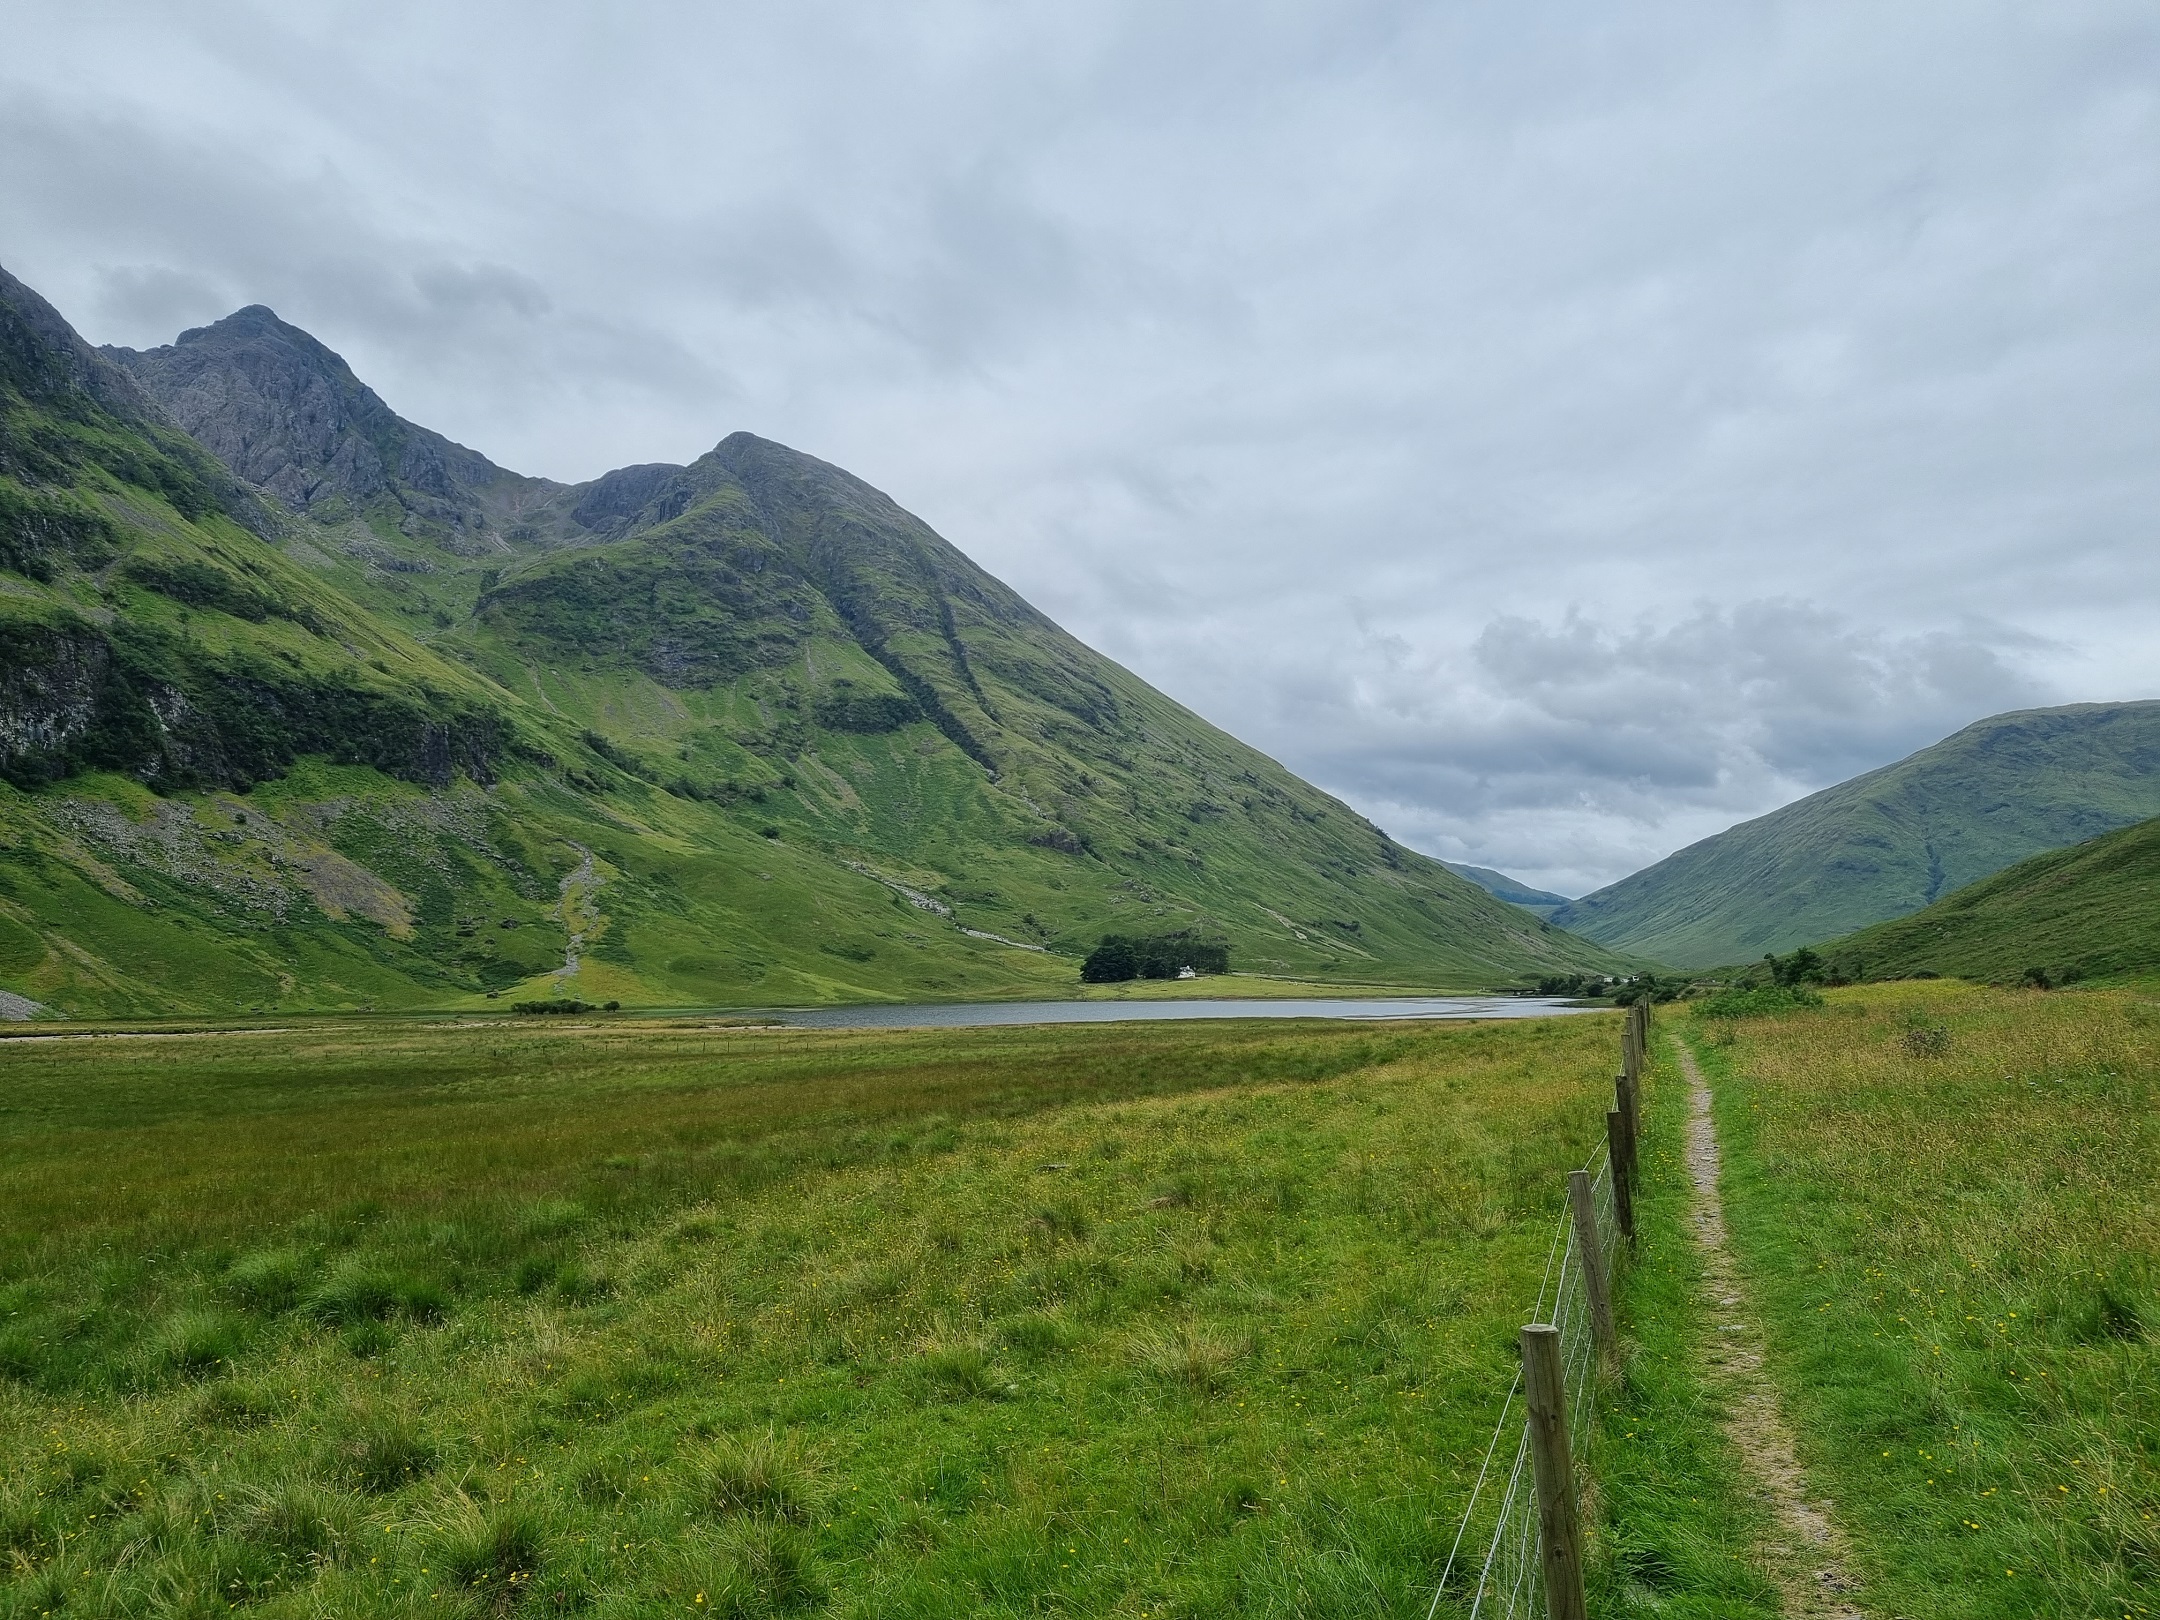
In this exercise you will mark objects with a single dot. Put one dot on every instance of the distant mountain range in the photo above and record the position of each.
(303, 705)
(1890, 842)
(1514, 891)
(2088, 912)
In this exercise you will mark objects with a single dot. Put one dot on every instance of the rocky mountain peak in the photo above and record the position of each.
(286, 413)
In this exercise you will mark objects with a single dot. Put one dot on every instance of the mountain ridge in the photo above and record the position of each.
(738, 732)
(1889, 841)
(288, 416)
(1540, 902)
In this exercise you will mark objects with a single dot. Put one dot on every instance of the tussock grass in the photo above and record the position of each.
(1945, 1197)
(420, 1320)
(1196, 1357)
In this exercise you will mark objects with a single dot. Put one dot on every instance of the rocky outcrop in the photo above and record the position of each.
(286, 413)
(75, 697)
(49, 689)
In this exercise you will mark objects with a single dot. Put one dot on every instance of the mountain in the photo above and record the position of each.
(397, 727)
(2091, 911)
(288, 416)
(1513, 890)
(1887, 843)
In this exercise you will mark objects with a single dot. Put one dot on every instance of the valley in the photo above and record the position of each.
(338, 737)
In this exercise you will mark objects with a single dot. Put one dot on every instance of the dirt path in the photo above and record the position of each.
(577, 914)
(1808, 1563)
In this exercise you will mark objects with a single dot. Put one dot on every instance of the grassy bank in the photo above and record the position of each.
(1944, 1198)
(644, 1319)
(2089, 913)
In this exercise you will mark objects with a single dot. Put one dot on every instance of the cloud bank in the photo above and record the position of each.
(1561, 431)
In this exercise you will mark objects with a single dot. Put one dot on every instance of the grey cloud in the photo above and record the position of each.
(157, 298)
(1563, 429)
(1612, 744)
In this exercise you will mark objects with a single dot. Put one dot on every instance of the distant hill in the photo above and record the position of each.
(1513, 890)
(1887, 843)
(2088, 912)
(354, 717)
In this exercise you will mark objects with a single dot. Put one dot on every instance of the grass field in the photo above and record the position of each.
(1143, 1320)
(1945, 1198)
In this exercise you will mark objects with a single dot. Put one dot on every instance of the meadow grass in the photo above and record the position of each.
(405, 1318)
(1944, 1199)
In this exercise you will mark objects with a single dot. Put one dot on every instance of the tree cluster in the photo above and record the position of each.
(1122, 957)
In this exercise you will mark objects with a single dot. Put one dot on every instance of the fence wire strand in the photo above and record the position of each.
(1510, 1582)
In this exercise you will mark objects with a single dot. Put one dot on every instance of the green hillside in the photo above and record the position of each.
(1543, 902)
(2088, 912)
(1887, 843)
(419, 732)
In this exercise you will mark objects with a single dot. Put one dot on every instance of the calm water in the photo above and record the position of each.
(969, 1014)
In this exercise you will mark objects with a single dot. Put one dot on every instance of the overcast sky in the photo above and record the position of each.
(1563, 430)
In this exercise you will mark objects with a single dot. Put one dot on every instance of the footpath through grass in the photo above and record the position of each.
(1148, 1320)
(1945, 1199)
(1678, 1533)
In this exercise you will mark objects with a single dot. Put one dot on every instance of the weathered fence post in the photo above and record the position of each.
(1623, 1175)
(1559, 1518)
(1635, 1041)
(1625, 1093)
(1596, 1284)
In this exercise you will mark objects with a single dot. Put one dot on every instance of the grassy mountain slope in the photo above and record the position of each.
(1887, 843)
(2088, 912)
(742, 732)
(1542, 902)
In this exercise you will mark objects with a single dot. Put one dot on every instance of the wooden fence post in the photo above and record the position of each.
(1625, 1093)
(1559, 1518)
(1623, 1190)
(1596, 1284)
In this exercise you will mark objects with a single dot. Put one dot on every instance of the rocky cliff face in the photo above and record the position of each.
(50, 682)
(288, 416)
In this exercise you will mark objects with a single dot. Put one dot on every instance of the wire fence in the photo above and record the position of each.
(1502, 1513)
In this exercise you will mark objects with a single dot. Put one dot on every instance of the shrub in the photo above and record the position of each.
(1758, 1001)
(846, 709)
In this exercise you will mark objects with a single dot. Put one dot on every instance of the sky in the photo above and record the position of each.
(1562, 430)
